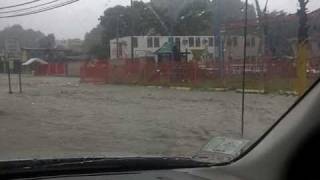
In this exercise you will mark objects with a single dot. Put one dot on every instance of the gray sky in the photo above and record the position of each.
(75, 20)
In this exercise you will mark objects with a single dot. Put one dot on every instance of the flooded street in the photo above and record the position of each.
(58, 115)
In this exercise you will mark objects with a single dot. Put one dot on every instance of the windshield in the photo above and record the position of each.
(173, 78)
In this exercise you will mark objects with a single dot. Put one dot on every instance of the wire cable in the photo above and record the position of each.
(22, 4)
(32, 7)
(41, 10)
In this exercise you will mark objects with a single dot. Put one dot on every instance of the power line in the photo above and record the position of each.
(41, 10)
(32, 7)
(22, 4)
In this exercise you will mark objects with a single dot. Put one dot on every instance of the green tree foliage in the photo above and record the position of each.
(172, 7)
(163, 17)
(195, 19)
(122, 21)
(93, 42)
(280, 34)
(303, 21)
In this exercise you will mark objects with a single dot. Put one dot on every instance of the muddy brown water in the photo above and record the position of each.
(58, 116)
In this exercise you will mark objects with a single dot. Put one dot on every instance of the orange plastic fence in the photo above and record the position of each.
(96, 73)
(140, 72)
(53, 69)
(149, 72)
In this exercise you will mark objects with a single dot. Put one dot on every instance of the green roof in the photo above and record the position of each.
(167, 48)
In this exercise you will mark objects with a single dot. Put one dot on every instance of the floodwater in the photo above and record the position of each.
(57, 116)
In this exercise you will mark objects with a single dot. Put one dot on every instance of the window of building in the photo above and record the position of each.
(253, 42)
(185, 42)
(229, 42)
(178, 41)
(205, 42)
(156, 42)
(198, 42)
(120, 53)
(149, 42)
(191, 42)
(135, 42)
(248, 42)
(235, 41)
(210, 42)
(315, 28)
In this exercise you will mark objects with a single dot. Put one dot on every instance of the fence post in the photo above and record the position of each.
(195, 71)
(56, 68)
(144, 73)
(107, 72)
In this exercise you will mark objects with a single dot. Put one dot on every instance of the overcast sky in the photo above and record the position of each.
(75, 20)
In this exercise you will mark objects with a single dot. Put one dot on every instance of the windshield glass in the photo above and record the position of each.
(177, 78)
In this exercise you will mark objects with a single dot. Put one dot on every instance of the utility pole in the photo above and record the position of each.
(12, 49)
(19, 76)
(302, 56)
(132, 34)
(9, 76)
(117, 34)
(117, 39)
(217, 34)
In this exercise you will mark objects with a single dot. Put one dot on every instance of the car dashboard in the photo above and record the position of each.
(147, 175)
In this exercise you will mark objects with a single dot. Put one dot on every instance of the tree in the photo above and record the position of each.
(27, 38)
(93, 44)
(281, 31)
(302, 57)
(195, 19)
(303, 20)
(172, 7)
(164, 17)
(122, 21)
(205, 17)
(47, 41)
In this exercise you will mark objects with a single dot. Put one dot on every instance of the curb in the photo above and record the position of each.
(251, 91)
(218, 89)
(157, 87)
(288, 93)
(181, 88)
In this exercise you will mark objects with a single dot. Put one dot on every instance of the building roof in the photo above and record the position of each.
(167, 48)
(43, 49)
(34, 60)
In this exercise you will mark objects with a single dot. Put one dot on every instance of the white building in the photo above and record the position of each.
(234, 45)
(146, 46)
(72, 44)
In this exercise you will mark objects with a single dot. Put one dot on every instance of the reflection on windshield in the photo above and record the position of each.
(150, 78)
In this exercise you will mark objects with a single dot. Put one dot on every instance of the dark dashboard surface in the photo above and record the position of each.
(146, 175)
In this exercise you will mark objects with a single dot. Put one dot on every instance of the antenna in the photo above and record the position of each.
(244, 66)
